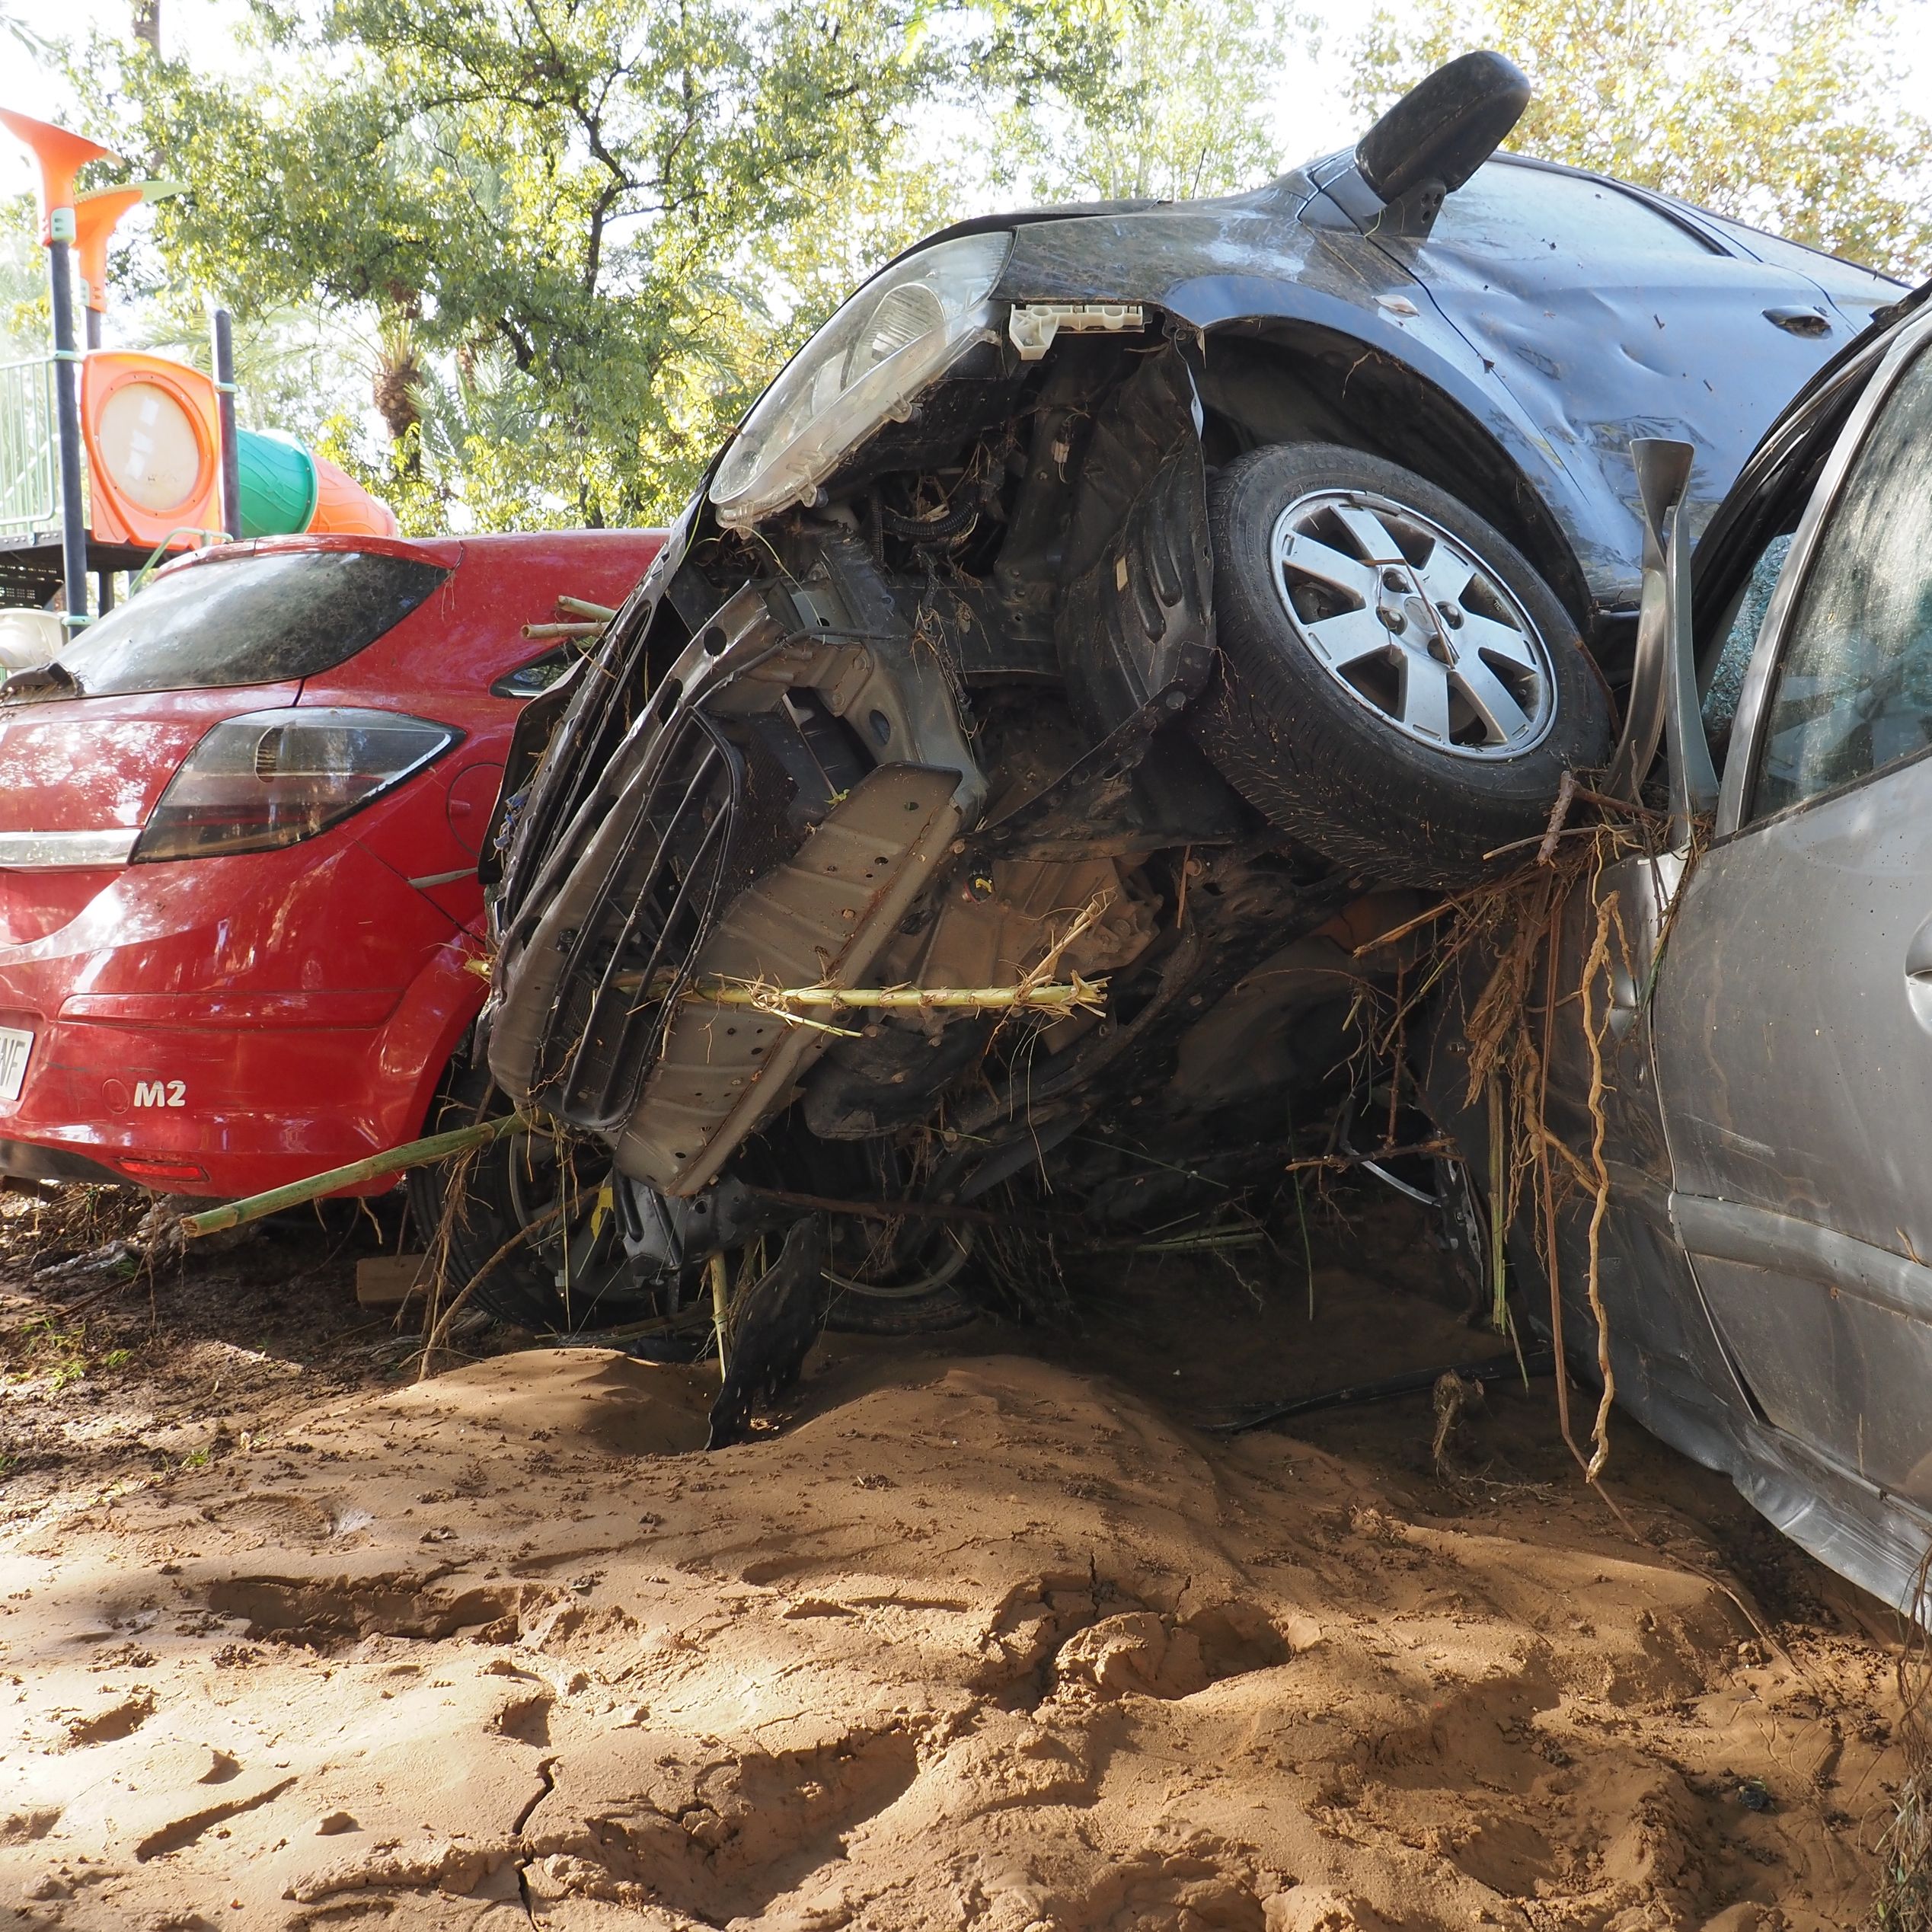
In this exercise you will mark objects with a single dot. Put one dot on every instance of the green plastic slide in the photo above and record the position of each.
(279, 485)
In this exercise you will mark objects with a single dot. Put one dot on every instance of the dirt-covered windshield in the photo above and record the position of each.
(240, 620)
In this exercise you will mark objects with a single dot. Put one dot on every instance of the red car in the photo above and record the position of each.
(239, 823)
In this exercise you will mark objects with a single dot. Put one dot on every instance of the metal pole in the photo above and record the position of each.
(224, 396)
(67, 408)
(93, 327)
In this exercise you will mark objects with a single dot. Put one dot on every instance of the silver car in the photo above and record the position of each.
(1761, 1005)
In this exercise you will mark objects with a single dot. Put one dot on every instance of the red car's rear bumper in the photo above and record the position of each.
(226, 1025)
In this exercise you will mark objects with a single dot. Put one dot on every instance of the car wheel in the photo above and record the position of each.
(1396, 687)
(897, 1281)
(533, 1220)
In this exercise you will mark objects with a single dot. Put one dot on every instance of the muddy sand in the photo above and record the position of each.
(985, 1633)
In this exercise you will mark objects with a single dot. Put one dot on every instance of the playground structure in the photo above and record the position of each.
(114, 460)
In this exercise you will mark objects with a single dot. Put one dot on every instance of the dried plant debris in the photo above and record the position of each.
(1904, 1901)
(1505, 940)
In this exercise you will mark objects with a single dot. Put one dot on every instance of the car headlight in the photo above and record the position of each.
(883, 346)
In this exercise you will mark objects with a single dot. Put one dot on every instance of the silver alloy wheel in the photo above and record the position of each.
(1412, 624)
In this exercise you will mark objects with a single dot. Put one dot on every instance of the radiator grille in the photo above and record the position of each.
(630, 961)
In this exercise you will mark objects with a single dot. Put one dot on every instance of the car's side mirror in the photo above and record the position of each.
(1663, 703)
(1444, 127)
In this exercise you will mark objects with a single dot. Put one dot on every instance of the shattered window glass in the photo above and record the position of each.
(1854, 691)
(1720, 703)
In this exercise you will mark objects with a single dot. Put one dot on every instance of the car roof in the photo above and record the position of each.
(1724, 233)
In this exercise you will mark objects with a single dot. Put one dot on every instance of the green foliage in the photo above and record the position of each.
(13, 28)
(24, 327)
(293, 365)
(1786, 113)
(1189, 113)
(45, 1349)
(556, 213)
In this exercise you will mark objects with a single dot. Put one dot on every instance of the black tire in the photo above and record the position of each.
(508, 1185)
(1329, 754)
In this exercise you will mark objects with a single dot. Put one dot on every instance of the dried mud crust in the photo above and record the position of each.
(977, 1640)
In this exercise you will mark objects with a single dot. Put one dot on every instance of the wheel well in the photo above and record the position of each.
(1292, 382)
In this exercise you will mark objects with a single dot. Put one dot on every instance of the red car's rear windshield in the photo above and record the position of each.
(248, 620)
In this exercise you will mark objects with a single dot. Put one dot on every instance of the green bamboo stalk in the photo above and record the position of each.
(411, 1153)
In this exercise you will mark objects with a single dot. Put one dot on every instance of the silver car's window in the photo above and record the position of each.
(1720, 702)
(1503, 209)
(1853, 693)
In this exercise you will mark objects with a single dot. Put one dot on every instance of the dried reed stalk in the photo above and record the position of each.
(1075, 994)
(1037, 990)
(1598, 962)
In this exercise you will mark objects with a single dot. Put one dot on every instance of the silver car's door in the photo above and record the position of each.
(1792, 1017)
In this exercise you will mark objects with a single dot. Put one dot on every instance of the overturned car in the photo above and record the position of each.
(1167, 596)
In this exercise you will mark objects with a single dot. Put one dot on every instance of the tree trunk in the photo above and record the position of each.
(398, 371)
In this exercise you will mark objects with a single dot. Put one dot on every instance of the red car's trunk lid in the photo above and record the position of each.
(94, 764)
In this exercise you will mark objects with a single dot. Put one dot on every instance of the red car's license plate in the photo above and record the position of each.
(15, 1045)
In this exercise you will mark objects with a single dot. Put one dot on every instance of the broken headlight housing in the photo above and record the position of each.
(908, 325)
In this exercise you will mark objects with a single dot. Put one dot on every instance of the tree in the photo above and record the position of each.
(1187, 115)
(24, 309)
(1785, 113)
(571, 195)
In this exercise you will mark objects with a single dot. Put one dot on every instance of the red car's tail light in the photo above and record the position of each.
(269, 778)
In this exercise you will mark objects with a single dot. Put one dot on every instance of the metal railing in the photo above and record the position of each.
(30, 466)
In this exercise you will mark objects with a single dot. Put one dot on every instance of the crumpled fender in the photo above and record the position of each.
(1134, 627)
(1215, 266)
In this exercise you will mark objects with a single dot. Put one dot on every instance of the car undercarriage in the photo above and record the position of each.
(952, 727)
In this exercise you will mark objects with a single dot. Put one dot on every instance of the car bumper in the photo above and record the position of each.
(151, 1063)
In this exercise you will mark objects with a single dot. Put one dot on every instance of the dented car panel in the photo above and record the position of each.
(1307, 323)
(1556, 354)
